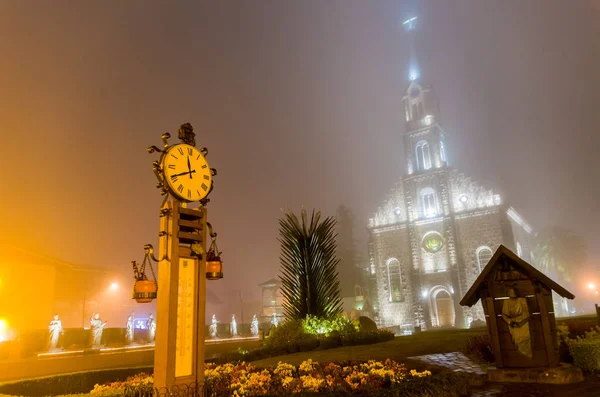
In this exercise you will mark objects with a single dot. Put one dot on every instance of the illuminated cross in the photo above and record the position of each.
(410, 24)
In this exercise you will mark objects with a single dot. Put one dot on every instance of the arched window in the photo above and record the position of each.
(357, 290)
(442, 152)
(519, 250)
(394, 280)
(428, 202)
(423, 156)
(484, 254)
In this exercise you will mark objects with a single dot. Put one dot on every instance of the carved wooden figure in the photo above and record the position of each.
(517, 301)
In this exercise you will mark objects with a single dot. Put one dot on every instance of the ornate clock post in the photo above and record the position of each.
(183, 174)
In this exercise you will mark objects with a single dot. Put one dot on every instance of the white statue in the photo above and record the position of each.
(213, 327)
(233, 326)
(151, 326)
(56, 330)
(274, 321)
(254, 326)
(96, 328)
(129, 330)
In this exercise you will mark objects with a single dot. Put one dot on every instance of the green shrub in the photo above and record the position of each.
(285, 344)
(286, 334)
(324, 326)
(477, 324)
(479, 347)
(585, 353)
(578, 326)
(366, 338)
(366, 324)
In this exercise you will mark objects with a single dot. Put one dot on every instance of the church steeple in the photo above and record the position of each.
(424, 138)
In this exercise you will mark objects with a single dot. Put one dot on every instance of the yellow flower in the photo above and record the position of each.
(356, 378)
(416, 374)
(308, 365)
(284, 369)
(285, 382)
(311, 384)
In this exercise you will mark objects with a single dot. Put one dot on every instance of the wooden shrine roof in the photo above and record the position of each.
(472, 295)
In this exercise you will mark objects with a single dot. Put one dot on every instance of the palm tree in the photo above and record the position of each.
(309, 278)
(558, 252)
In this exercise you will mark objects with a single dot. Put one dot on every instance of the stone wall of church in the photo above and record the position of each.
(388, 244)
(474, 230)
(523, 239)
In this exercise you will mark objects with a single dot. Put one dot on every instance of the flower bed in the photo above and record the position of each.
(310, 377)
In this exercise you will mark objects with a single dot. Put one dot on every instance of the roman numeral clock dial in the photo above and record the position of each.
(186, 173)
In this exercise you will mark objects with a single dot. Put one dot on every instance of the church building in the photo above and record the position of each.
(437, 228)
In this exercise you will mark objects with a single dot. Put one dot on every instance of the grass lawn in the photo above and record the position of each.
(213, 350)
(430, 342)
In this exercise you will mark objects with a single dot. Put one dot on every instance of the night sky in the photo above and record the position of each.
(299, 104)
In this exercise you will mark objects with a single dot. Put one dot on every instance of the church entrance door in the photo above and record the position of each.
(444, 309)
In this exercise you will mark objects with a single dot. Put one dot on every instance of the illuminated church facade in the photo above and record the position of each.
(437, 229)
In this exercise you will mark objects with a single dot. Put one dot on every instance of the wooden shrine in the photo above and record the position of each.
(519, 312)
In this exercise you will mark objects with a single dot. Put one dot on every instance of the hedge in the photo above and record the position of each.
(306, 343)
(585, 353)
(81, 382)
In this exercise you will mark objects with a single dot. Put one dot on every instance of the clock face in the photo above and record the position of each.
(433, 242)
(186, 172)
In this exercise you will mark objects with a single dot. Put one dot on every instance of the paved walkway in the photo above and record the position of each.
(460, 363)
(456, 361)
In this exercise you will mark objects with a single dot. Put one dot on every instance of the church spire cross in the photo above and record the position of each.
(410, 24)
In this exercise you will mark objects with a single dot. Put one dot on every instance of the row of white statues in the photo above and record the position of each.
(97, 328)
(55, 330)
(213, 328)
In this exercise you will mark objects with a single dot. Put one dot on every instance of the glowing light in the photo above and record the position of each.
(2, 330)
(114, 286)
(451, 289)
(397, 211)
(428, 119)
(463, 198)
(424, 293)
(591, 286)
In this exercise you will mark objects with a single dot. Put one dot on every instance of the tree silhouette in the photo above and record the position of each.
(350, 271)
(558, 252)
(309, 278)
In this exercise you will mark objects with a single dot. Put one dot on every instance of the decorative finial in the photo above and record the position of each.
(187, 135)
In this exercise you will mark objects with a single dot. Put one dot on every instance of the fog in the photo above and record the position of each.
(299, 105)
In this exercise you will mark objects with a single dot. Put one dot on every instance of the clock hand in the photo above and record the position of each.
(183, 173)
(189, 166)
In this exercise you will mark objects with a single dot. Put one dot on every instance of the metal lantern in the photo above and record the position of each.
(214, 264)
(144, 290)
